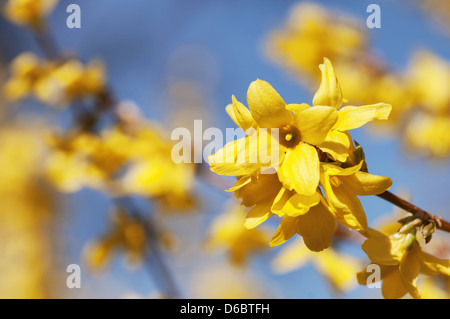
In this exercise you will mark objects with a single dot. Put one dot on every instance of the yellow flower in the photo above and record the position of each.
(339, 269)
(28, 12)
(227, 231)
(310, 140)
(69, 81)
(300, 127)
(56, 83)
(126, 234)
(26, 70)
(121, 162)
(308, 216)
(312, 32)
(428, 76)
(341, 185)
(428, 134)
(401, 259)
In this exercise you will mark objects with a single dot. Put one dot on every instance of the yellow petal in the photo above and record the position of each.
(280, 200)
(300, 169)
(351, 117)
(316, 227)
(332, 169)
(240, 114)
(314, 123)
(297, 107)
(363, 276)
(433, 266)
(258, 214)
(266, 106)
(347, 208)
(329, 92)
(385, 250)
(241, 182)
(286, 229)
(337, 144)
(392, 287)
(409, 270)
(339, 269)
(266, 187)
(362, 183)
(293, 256)
(299, 204)
(234, 159)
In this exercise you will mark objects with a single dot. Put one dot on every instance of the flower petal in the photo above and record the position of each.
(393, 287)
(300, 169)
(348, 209)
(409, 270)
(362, 183)
(351, 117)
(337, 144)
(329, 92)
(286, 229)
(316, 227)
(363, 275)
(385, 250)
(266, 187)
(431, 265)
(258, 214)
(292, 257)
(240, 114)
(266, 106)
(315, 123)
(236, 158)
(299, 204)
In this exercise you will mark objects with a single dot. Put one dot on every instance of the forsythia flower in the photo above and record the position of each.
(28, 12)
(127, 234)
(314, 149)
(56, 83)
(312, 32)
(227, 231)
(401, 260)
(134, 162)
(70, 81)
(339, 269)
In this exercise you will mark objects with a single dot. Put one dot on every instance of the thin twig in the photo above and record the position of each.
(416, 211)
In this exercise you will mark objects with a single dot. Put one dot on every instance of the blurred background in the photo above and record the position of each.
(175, 61)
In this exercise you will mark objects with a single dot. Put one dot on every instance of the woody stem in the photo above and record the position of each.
(416, 211)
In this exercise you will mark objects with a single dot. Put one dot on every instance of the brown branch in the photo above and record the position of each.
(416, 211)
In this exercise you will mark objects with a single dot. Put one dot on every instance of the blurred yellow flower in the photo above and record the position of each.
(28, 13)
(27, 263)
(312, 32)
(339, 269)
(121, 162)
(126, 234)
(56, 83)
(70, 81)
(227, 231)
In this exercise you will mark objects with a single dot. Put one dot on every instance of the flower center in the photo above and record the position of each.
(289, 136)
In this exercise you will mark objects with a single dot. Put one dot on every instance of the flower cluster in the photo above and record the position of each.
(121, 161)
(55, 83)
(29, 13)
(319, 170)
